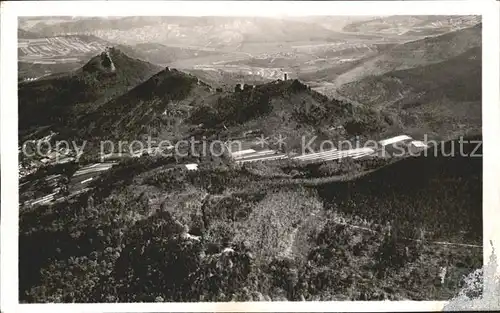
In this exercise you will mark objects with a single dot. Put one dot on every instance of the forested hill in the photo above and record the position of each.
(156, 105)
(59, 99)
(288, 108)
(176, 104)
(440, 192)
(442, 99)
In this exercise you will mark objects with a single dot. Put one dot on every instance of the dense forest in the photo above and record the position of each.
(151, 231)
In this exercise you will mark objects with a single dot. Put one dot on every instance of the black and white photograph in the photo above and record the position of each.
(218, 158)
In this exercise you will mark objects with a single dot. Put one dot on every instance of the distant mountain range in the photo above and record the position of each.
(224, 31)
(197, 31)
(314, 48)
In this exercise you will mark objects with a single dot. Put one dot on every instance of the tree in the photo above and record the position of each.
(391, 254)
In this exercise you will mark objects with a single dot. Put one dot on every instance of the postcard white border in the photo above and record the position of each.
(8, 102)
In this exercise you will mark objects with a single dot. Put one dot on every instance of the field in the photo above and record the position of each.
(304, 60)
(43, 56)
(58, 49)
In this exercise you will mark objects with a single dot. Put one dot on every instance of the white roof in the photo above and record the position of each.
(348, 153)
(265, 153)
(315, 155)
(419, 144)
(264, 158)
(242, 152)
(262, 152)
(360, 150)
(86, 180)
(335, 154)
(66, 160)
(192, 166)
(227, 250)
(392, 140)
